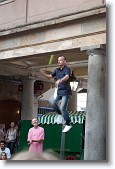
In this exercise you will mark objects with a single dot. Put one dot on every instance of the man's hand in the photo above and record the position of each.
(42, 72)
(58, 82)
(29, 142)
(45, 74)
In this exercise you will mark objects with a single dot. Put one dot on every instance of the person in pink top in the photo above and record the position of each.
(35, 137)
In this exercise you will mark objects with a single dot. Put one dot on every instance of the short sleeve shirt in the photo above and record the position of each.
(36, 134)
(7, 151)
(64, 88)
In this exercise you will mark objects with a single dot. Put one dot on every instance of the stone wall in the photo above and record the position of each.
(10, 91)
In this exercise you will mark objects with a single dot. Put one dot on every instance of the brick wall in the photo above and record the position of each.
(9, 91)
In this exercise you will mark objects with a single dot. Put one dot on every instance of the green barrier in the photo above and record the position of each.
(23, 131)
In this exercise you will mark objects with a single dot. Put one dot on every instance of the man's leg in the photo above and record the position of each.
(63, 108)
(54, 104)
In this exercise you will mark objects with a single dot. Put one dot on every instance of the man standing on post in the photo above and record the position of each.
(61, 74)
(35, 137)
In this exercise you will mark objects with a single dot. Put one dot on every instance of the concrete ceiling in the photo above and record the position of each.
(17, 69)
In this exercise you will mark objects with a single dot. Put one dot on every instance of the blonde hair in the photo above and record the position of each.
(26, 155)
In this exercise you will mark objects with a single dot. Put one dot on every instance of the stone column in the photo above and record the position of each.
(72, 105)
(27, 112)
(35, 106)
(95, 129)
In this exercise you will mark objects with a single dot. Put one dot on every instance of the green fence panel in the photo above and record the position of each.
(23, 132)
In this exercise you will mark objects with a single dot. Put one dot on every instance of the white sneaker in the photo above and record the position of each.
(67, 128)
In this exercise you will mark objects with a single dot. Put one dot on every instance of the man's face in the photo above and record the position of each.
(61, 61)
(2, 145)
(34, 122)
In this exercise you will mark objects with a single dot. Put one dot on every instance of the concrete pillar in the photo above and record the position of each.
(95, 129)
(28, 110)
(72, 105)
(35, 106)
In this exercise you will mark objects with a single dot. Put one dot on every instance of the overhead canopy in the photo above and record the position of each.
(51, 118)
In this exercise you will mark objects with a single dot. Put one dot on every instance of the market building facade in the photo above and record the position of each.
(32, 31)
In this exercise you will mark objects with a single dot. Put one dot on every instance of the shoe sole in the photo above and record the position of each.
(67, 130)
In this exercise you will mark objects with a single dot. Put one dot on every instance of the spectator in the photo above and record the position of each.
(3, 148)
(36, 156)
(11, 137)
(17, 136)
(3, 156)
(35, 137)
(2, 132)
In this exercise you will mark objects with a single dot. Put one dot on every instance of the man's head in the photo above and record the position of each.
(2, 145)
(34, 122)
(61, 61)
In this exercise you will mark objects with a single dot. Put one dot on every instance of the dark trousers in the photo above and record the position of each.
(11, 146)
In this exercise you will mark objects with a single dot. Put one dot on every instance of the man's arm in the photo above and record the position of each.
(39, 141)
(29, 137)
(45, 74)
(8, 153)
(66, 77)
(31, 141)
